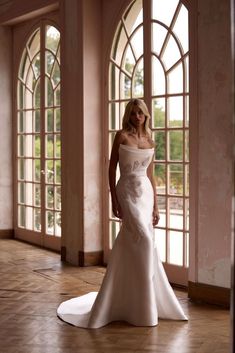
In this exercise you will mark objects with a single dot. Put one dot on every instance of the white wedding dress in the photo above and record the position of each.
(135, 287)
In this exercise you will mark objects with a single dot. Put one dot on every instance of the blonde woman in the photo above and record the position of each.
(135, 288)
(135, 133)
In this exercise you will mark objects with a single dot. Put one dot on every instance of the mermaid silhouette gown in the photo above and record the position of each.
(135, 287)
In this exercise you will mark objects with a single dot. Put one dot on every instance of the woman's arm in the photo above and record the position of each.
(112, 174)
(156, 216)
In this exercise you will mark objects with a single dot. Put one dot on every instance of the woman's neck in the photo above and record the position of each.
(140, 131)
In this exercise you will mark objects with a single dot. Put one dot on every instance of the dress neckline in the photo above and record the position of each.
(135, 148)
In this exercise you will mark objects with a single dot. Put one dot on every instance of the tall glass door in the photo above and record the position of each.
(149, 59)
(38, 135)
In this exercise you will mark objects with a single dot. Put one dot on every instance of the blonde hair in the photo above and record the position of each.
(126, 124)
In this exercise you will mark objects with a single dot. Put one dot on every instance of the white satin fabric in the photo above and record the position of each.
(135, 287)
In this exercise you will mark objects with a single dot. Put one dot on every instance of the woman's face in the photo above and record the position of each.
(137, 117)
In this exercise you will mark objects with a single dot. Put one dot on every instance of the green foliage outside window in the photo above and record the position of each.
(175, 137)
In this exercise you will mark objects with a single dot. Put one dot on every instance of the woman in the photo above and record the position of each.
(135, 288)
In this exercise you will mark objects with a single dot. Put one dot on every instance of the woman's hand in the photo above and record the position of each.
(156, 216)
(116, 209)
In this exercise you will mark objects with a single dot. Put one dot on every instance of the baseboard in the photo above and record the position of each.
(93, 258)
(6, 233)
(209, 294)
(63, 253)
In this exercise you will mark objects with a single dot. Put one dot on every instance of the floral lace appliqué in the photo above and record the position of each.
(135, 165)
(145, 162)
(127, 168)
(133, 185)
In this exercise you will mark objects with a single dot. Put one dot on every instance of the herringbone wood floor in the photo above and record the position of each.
(33, 282)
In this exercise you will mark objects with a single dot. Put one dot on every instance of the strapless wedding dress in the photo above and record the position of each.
(135, 287)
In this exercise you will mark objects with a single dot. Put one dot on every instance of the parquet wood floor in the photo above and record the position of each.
(33, 282)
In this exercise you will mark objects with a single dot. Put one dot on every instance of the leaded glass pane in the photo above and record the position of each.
(34, 43)
(36, 66)
(162, 211)
(50, 222)
(160, 145)
(50, 171)
(163, 10)
(129, 60)
(158, 115)
(57, 146)
(58, 224)
(181, 28)
(50, 59)
(56, 74)
(132, 22)
(176, 179)
(176, 213)
(160, 177)
(50, 196)
(137, 43)
(52, 38)
(58, 119)
(160, 240)
(58, 171)
(175, 80)
(37, 170)
(176, 145)
(37, 146)
(113, 116)
(159, 35)
(37, 122)
(119, 45)
(176, 242)
(175, 111)
(171, 54)
(37, 195)
(37, 219)
(158, 78)
(49, 93)
(138, 80)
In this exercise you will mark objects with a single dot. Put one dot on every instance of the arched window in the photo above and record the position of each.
(39, 137)
(150, 59)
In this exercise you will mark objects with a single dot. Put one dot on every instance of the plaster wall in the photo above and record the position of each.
(6, 201)
(82, 135)
(93, 160)
(111, 15)
(215, 142)
(72, 129)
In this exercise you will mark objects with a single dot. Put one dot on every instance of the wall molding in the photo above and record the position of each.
(93, 258)
(207, 293)
(6, 233)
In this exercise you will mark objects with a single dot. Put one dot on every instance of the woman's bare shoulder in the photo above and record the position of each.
(120, 136)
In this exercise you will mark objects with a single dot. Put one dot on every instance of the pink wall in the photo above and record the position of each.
(93, 159)
(215, 142)
(6, 205)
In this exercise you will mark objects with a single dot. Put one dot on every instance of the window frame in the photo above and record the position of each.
(193, 131)
(21, 34)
